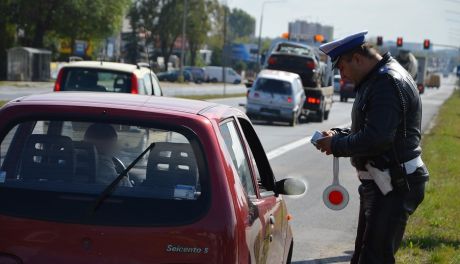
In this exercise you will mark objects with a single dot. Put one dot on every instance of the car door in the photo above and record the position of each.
(257, 227)
(270, 205)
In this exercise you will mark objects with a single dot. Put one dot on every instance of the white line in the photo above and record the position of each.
(293, 145)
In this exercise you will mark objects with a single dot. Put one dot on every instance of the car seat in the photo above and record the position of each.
(85, 162)
(171, 164)
(48, 158)
(121, 84)
(88, 82)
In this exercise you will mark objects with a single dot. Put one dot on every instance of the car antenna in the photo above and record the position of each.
(150, 65)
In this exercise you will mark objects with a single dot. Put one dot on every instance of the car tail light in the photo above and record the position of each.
(134, 86)
(313, 100)
(9, 259)
(57, 85)
(341, 82)
(289, 99)
(272, 61)
(311, 65)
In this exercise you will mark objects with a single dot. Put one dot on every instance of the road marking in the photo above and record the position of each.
(293, 145)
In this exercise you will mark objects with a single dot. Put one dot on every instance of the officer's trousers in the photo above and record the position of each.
(382, 221)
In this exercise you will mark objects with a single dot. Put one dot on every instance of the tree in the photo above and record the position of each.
(7, 33)
(75, 19)
(198, 25)
(241, 24)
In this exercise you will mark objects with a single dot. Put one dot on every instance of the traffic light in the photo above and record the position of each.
(426, 44)
(399, 42)
(379, 41)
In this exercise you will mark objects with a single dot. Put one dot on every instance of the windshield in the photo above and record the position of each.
(273, 86)
(83, 79)
(68, 164)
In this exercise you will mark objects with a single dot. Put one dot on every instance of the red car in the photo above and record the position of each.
(119, 178)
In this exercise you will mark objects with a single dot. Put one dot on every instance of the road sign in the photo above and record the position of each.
(335, 196)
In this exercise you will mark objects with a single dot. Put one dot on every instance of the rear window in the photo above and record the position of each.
(56, 169)
(273, 86)
(98, 80)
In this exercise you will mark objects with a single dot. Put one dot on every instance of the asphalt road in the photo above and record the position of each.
(320, 234)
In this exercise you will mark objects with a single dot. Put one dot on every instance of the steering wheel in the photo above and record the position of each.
(119, 167)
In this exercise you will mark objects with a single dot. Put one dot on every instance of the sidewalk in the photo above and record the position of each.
(10, 90)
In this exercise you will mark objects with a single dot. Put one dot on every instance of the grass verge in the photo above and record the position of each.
(2, 103)
(211, 96)
(433, 232)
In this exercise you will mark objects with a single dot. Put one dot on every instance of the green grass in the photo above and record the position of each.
(433, 232)
(212, 96)
(2, 103)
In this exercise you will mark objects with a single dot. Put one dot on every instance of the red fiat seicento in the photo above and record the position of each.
(119, 178)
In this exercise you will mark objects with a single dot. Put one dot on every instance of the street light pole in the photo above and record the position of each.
(260, 30)
(182, 51)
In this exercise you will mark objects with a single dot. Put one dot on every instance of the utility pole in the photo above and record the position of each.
(224, 55)
(182, 51)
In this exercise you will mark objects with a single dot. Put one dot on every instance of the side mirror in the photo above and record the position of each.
(290, 186)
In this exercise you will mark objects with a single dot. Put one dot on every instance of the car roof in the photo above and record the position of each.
(113, 66)
(142, 103)
(278, 75)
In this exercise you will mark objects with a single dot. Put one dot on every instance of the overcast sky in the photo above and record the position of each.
(414, 20)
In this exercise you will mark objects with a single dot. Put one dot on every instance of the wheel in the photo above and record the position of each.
(345, 99)
(326, 115)
(341, 98)
(293, 121)
(119, 167)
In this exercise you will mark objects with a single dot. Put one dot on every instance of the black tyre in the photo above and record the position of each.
(294, 119)
(326, 115)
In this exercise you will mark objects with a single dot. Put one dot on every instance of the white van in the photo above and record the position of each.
(214, 74)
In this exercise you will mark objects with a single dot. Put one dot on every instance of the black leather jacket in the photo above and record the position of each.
(377, 119)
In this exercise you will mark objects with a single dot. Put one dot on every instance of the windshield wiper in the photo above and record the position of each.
(111, 187)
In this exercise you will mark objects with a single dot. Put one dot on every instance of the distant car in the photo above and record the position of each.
(347, 90)
(215, 74)
(276, 95)
(173, 76)
(433, 80)
(198, 73)
(337, 82)
(204, 192)
(99, 76)
(297, 58)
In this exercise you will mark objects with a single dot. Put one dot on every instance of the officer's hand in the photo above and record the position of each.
(328, 133)
(324, 144)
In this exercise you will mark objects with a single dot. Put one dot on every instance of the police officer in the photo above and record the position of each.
(385, 134)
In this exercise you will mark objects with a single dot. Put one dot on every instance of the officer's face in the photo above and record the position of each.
(350, 68)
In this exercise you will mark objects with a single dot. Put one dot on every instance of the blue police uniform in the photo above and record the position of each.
(386, 133)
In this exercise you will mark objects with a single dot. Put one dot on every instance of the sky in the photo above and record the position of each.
(414, 20)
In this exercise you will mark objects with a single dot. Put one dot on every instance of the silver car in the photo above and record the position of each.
(276, 96)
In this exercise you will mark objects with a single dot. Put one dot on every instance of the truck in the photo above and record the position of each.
(306, 62)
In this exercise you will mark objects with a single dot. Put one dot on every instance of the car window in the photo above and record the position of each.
(87, 79)
(235, 148)
(273, 86)
(148, 85)
(69, 163)
(264, 173)
(156, 86)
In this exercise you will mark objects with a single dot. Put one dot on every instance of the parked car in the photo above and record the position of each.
(215, 74)
(206, 193)
(99, 76)
(337, 82)
(173, 76)
(297, 58)
(198, 73)
(347, 90)
(276, 95)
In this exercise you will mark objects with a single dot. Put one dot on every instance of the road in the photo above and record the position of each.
(322, 235)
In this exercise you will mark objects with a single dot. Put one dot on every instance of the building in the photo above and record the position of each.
(301, 30)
